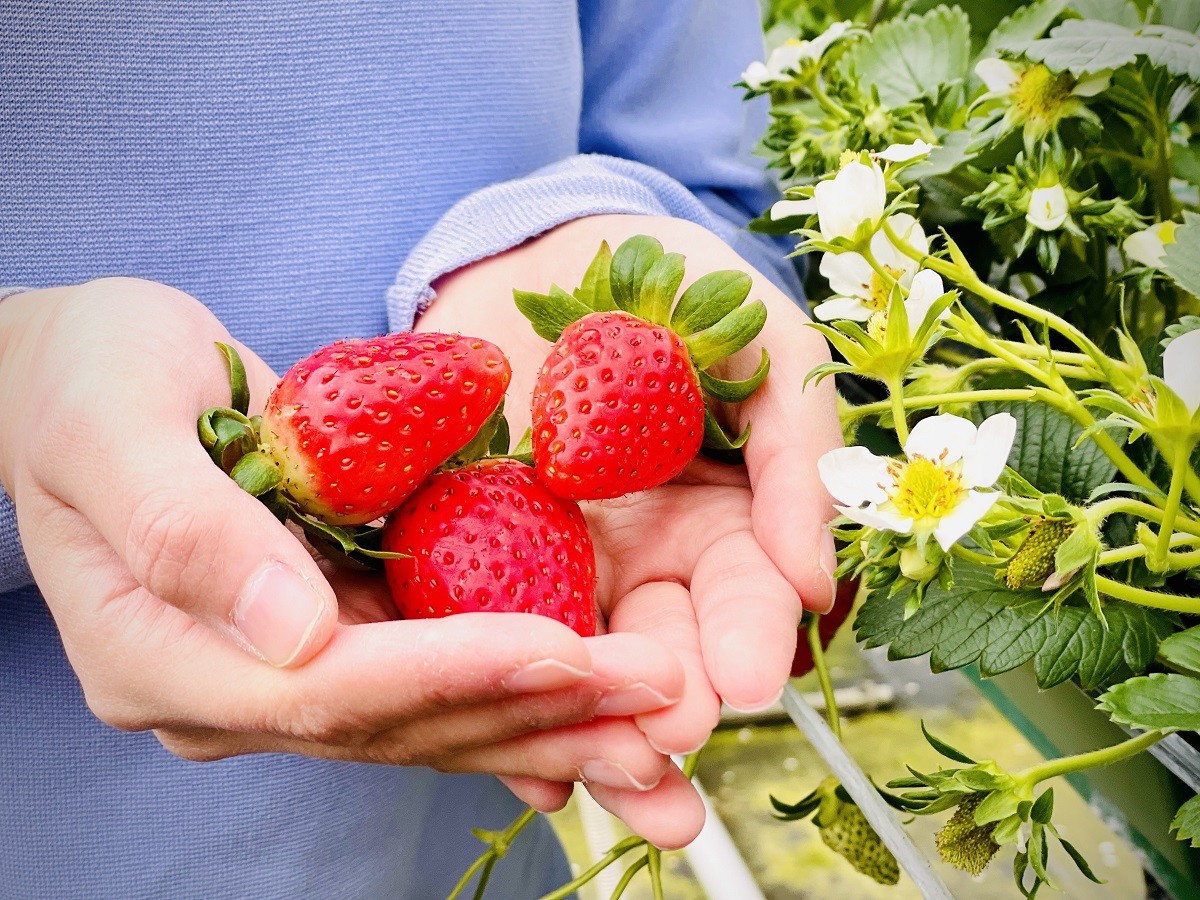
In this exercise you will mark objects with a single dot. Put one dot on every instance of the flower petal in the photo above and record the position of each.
(1146, 246)
(873, 517)
(1048, 207)
(818, 45)
(999, 75)
(786, 58)
(857, 194)
(945, 438)
(842, 308)
(782, 209)
(963, 517)
(905, 152)
(888, 254)
(1181, 368)
(926, 290)
(853, 475)
(849, 274)
(985, 459)
(756, 75)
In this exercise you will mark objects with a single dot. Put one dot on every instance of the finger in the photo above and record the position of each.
(609, 752)
(748, 614)
(794, 424)
(664, 610)
(670, 815)
(544, 796)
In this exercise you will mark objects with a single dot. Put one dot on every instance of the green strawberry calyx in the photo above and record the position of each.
(711, 317)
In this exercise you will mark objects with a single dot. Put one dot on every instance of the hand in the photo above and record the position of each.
(162, 575)
(717, 565)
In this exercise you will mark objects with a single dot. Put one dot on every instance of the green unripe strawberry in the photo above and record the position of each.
(1033, 562)
(846, 831)
(963, 843)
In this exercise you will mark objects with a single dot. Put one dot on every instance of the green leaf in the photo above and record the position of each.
(979, 621)
(736, 391)
(1025, 24)
(1088, 47)
(709, 299)
(727, 336)
(1118, 12)
(1186, 823)
(1043, 808)
(481, 444)
(1044, 450)
(715, 437)
(549, 315)
(945, 749)
(913, 56)
(1080, 863)
(256, 474)
(239, 388)
(594, 292)
(659, 288)
(1182, 651)
(1182, 259)
(630, 264)
(1176, 14)
(1156, 702)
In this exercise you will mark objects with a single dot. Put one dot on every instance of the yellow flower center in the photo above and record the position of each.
(925, 489)
(879, 291)
(1039, 95)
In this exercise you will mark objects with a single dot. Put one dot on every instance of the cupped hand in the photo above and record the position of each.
(185, 607)
(718, 565)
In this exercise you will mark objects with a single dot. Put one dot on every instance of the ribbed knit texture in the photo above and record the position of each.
(281, 160)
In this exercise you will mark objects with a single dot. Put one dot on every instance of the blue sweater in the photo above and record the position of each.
(307, 170)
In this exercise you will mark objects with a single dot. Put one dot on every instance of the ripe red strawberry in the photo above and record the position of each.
(356, 426)
(831, 622)
(617, 408)
(489, 537)
(619, 405)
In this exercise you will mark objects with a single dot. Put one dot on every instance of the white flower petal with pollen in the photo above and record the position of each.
(999, 75)
(785, 208)
(873, 517)
(942, 438)
(1048, 208)
(1181, 368)
(985, 459)
(853, 475)
(787, 57)
(926, 289)
(849, 274)
(857, 194)
(842, 308)
(905, 152)
(1149, 246)
(963, 517)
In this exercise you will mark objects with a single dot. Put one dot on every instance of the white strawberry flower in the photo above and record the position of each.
(788, 57)
(905, 152)
(860, 290)
(1149, 246)
(1181, 369)
(856, 194)
(1032, 83)
(1048, 207)
(936, 491)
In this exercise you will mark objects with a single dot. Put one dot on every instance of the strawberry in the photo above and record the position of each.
(356, 426)
(620, 403)
(802, 662)
(489, 537)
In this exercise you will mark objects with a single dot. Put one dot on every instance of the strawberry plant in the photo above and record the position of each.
(625, 400)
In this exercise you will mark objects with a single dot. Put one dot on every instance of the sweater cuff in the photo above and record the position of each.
(502, 216)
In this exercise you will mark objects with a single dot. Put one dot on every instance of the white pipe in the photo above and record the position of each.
(598, 835)
(715, 859)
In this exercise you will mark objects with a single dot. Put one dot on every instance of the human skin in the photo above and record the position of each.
(720, 563)
(164, 578)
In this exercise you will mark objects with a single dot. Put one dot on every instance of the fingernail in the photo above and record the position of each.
(276, 613)
(610, 774)
(755, 706)
(631, 700)
(543, 675)
(828, 563)
(676, 752)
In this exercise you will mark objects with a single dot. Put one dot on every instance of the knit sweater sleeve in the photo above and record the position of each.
(662, 132)
(14, 571)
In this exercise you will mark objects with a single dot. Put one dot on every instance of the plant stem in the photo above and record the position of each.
(1143, 597)
(1158, 560)
(927, 401)
(498, 847)
(826, 102)
(654, 861)
(614, 853)
(1105, 508)
(633, 869)
(972, 556)
(484, 877)
(1094, 759)
(821, 666)
(1136, 551)
(900, 419)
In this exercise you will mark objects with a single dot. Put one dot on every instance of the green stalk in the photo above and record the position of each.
(826, 102)
(1099, 512)
(615, 852)
(633, 869)
(1143, 597)
(1094, 759)
(928, 401)
(499, 846)
(654, 861)
(1158, 559)
(821, 666)
(972, 556)
(1137, 551)
(900, 419)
